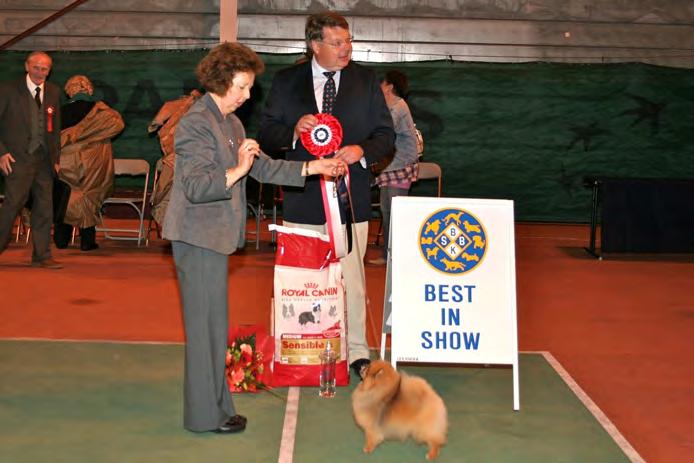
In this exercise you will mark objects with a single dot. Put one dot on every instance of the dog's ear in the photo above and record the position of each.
(373, 369)
(368, 370)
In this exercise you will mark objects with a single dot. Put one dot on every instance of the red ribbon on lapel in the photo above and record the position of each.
(49, 119)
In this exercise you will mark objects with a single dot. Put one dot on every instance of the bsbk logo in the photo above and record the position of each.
(452, 241)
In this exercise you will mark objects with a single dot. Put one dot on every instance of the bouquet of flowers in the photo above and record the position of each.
(249, 353)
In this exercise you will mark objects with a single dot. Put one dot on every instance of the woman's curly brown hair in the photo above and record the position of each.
(216, 70)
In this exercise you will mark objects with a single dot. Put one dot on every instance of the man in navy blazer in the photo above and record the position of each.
(29, 152)
(295, 97)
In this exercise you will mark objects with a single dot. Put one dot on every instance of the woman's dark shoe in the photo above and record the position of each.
(88, 239)
(62, 234)
(88, 247)
(236, 423)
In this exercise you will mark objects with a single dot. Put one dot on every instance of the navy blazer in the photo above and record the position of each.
(15, 105)
(361, 109)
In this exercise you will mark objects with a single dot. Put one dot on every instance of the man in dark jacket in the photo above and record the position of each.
(29, 152)
(330, 82)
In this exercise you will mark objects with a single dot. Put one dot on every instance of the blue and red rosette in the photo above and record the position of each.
(325, 138)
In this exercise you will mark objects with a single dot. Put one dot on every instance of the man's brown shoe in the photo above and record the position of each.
(47, 263)
(378, 261)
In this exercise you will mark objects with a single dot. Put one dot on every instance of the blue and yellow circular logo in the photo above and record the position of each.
(452, 241)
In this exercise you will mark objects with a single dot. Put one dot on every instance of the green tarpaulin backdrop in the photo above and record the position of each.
(528, 132)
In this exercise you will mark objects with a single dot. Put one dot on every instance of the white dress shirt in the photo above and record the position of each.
(319, 80)
(32, 88)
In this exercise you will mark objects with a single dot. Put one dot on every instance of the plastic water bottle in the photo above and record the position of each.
(327, 371)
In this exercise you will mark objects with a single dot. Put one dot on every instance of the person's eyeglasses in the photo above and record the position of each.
(339, 43)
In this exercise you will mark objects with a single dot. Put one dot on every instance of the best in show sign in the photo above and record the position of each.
(453, 282)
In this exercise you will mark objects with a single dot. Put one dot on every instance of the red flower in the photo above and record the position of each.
(246, 354)
(244, 365)
(237, 375)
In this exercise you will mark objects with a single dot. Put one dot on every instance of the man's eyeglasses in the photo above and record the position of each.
(339, 43)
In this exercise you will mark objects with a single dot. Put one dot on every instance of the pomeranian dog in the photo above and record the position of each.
(392, 406)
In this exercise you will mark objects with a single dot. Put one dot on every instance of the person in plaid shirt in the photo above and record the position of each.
(396, 177)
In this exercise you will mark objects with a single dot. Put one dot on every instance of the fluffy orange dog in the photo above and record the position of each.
(388, 405)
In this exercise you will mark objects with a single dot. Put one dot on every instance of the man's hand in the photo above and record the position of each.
(6, 161)
(350, 153)
(306, 123)
(329, 167)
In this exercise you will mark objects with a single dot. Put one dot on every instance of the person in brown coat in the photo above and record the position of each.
(86, 160)
(164, 123)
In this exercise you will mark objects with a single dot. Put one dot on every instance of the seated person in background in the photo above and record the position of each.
(86, 160)
(164, 123)
(398, 175)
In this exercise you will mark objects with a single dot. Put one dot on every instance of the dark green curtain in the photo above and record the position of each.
(528, 132)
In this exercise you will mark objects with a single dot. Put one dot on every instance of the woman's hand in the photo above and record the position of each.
(248, 150)
(328, 167)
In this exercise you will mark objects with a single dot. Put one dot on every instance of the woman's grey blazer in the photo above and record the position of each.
(202, 211)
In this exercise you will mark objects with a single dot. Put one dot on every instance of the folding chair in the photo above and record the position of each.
(430, 170)
(376, 208)
(20, 222)
(254, 189)
(135, 198)
(23, 226)
(427, 171)
(23, 222)
(277, 200)
(157, 173)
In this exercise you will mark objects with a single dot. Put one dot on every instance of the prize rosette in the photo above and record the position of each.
(325, 138)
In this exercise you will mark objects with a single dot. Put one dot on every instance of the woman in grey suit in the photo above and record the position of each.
(206, 221)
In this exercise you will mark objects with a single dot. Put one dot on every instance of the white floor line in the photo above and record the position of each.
(599, 415)
(291, 414)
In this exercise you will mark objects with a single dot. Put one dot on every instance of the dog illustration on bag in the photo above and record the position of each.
(312, 315)
(287, 311)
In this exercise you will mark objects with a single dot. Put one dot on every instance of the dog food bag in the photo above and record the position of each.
(309, 308)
